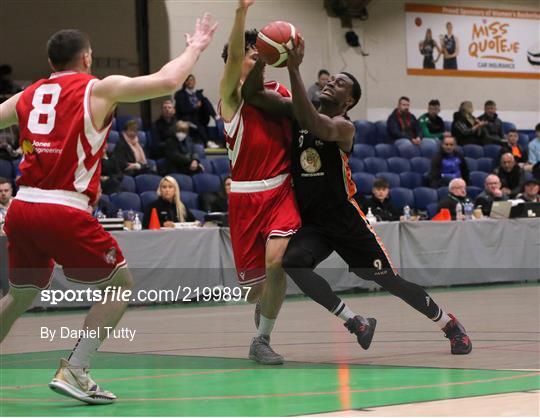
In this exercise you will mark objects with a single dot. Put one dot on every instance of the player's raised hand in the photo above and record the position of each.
(204, 31)
(295, 54)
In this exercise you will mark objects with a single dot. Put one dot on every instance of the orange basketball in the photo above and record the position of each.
(270, 40)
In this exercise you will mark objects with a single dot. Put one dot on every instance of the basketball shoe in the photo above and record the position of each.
(261, 352)
(363, 331)
(460, 343)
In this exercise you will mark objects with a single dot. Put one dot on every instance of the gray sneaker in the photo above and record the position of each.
(261, 352)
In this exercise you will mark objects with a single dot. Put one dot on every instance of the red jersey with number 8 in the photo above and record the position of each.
(62, 147)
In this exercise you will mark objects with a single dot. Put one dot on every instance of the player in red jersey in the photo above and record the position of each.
(262, 209)
(64, 121)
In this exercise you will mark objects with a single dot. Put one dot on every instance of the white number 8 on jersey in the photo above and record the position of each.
(40, 108)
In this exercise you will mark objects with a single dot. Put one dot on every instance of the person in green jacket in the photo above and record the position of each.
(431, 123)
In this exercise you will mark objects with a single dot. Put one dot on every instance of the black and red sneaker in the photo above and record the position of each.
(460, 343)
(364, 332)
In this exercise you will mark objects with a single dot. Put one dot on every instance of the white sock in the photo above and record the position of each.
(265, 326)
(83, 352)
(343, 311)
(443, 319)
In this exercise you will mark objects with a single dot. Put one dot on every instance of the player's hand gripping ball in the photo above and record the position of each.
(270, 40)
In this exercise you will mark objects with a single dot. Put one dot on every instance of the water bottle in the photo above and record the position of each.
(459, 212)
(371, 217)
(407, 213)
(469, 207)
(120, 214)
(137, 225)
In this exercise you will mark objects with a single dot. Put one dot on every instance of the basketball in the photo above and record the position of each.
(270, 40)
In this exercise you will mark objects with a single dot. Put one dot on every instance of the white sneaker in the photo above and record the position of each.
(77, 383)
(211, 144)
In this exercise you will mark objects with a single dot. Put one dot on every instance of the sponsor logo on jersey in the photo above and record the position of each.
(27, 147)
(110, 256)
(310, 160)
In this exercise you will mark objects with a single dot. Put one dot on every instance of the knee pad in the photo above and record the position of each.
(296, 258)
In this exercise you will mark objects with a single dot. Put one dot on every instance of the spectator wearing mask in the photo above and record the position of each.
(168, 205)
(449, 163)
(181, 155)
(163, 128)
(217, 202)
(492, 193)
(493, 128)
(512, 176)
(534, 153)
(380, 203)
(521, 155)
(129, 153)
(6, 193)
(403, 124)
(530, 192)
(466, 128)
(315, 90)
(431, 124)
(192, 106)
(457, 193)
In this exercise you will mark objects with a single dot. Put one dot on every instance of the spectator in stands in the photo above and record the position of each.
(129, 153)
(457, 193)
(9, 143)
(315, 90)
(7, 87)
(181, 155)
(534, 153)
(431, 124)
(380, 203)
(492, 193)
(493, 128)
(521, 155)
(192, 106)
(6, 193)
(427, 47)
(164, 127)
(449, 163)
(168, 205)
(111, 175)
(530, 192)
(512, 176)
(217, 202)
(466, 128)
(403, 124)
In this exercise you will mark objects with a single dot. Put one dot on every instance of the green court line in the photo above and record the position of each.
(156, 385)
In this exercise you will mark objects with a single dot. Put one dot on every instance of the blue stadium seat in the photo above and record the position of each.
(147, 198)
(402, 141)
(448, 125)
(113, 124)
(523, 141)
(486, 165)
(410, 179)
(113, 137)
(356, 164)
(16, 164)
(199, 149)
(363, 151)
(184, 182)
(374, 165)
(392, 178)
(472, 164)
(473, 191)
(128, 184)
(434, 141)
(190, 199)
(147, 182)
(381, 134)
(152, 164)
(442, 192)
(365, 132)
(473, 151)
(428, 148)
(121, 121)
(364, 182)
(492, 151)
(478, 178)
(126, 201)
(431, 210)
(208, 167)
(401, 197)
(398, 165)
(507, 126)
(206, 183)
(221, 165)
(6, 170)
(420, 165)
(423, 196)
(408, 150)
(110, 148)
(161, 166)
(385, 150)
(198, 214)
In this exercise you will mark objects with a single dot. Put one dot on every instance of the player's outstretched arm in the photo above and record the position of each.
(229, 87)
(8, 111)
(254, 93)
(336, 129)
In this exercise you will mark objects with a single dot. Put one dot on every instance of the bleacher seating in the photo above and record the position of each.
(363, 151)
(126, 201)
(393, 179)
(420, 165)
(492, 151)
(399, 165)
(6, 170)
(408, 150)
(147, 198)
(375, 165)
(473, 191)
(190, 199)
(128, 184)
(208, 167)
(206, 183)
(356, 164)
(472, 164)
(221, 165)
(385, 150)
(198, 214)
(428, 148)
(147, 182)
(401, 197)
(484, 164)
(364, 182)
(478, 178)
(184, 182)
(410, 179)
(423, 196)
(473, 151)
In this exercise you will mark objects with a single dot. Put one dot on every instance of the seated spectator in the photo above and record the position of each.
(534, 153)
(6, 193)
(457, 193)
(431, 124)
(9, 143)
(466, 128)
(181, 156)
(217, 202)
(380, 203)
(493, 129)
(7, 87)
(192, 106)
(492, 193)
(403, 124)
(111, 176)
(164, 127)
(521, 155)
(168, 205)
(315, 90)
(448, 164)
(530, 191)
(129, 153)
(512, 176)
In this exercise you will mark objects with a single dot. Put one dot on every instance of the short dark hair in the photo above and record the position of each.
(4, 180)
(381, 183)
(322, 72)
(250, 38)
(64, 46)
(404, 98)
(512, 131)
(356, 89)
(434, 102)
(489, 103)
(537, 128)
